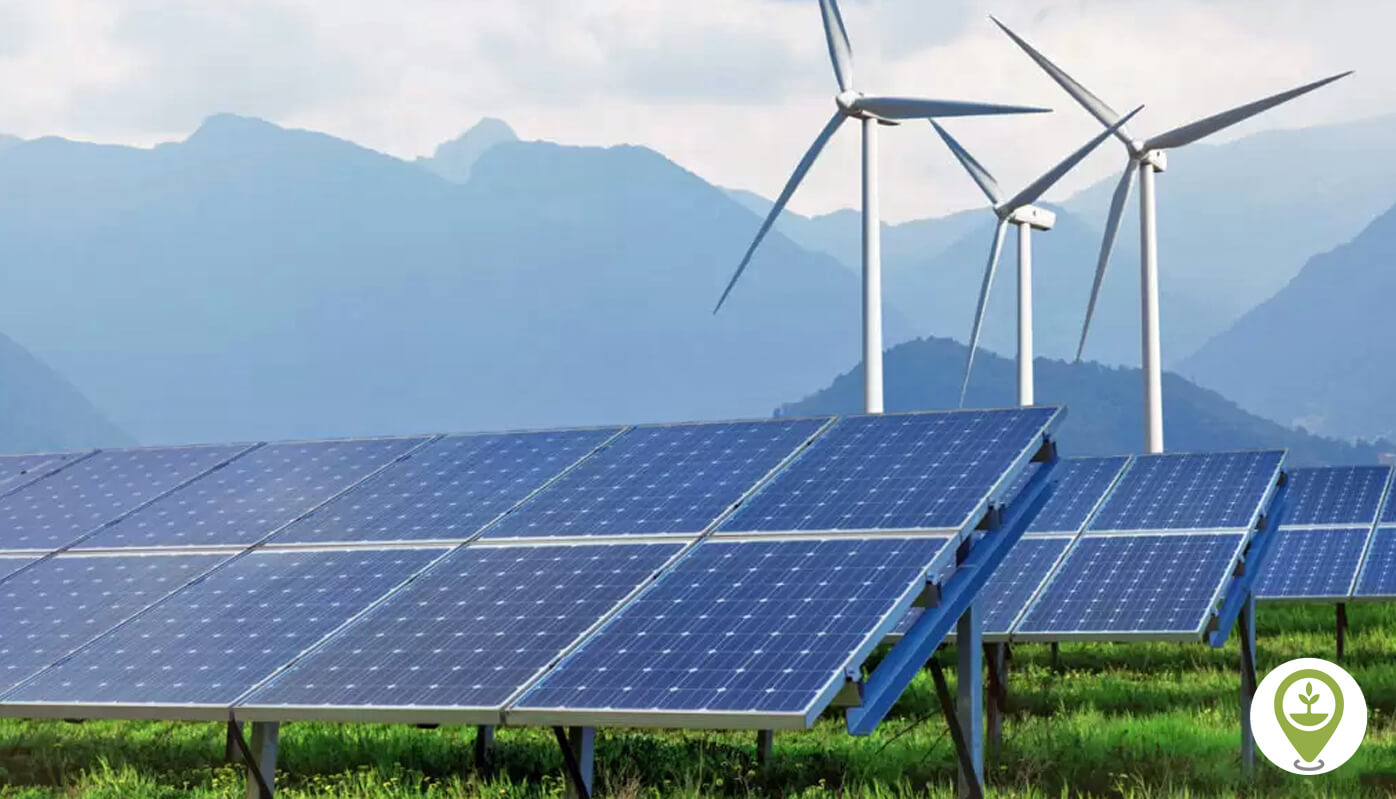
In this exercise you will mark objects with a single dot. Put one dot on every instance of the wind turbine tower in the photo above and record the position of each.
(871, 111)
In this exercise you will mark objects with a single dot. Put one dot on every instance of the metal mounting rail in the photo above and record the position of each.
(1243, 584)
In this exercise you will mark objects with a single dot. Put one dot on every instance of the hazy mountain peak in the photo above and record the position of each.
(454, 159)
(225, 126)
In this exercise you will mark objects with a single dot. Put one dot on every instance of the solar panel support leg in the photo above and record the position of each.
(997, 657)
(231, 752)
(1248, 685)
(969, 689)
(1342, 629)
(952, 721)
(765, 743)
(261, 766)
(578, 757)
(484, 745)
(1056, 654)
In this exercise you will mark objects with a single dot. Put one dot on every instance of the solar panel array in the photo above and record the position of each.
(1329, 531)
(449, 578)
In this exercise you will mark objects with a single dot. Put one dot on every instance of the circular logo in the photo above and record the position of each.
(1309, 716)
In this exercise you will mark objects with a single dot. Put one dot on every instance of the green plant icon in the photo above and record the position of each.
(1302, 729)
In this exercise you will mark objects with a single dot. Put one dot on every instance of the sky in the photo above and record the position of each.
(734, 90)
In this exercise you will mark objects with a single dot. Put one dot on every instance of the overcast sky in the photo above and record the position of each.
(732, 89)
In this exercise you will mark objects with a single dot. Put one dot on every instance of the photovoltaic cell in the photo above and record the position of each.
(742, 626)
(920, 471)
(1335, 495)
(449, 489)
(1078, 486)
(1131, 584)
(1312, 563)
(254, 495)
(1190, 492)
(219, 637)
(663, 479)
(62, 603)
(1378, 579)
(17, 470)
(61, 508)
(472, 631)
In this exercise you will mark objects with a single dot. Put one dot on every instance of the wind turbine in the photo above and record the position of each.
(1020, 211)
(872, 110)
(1148, 156)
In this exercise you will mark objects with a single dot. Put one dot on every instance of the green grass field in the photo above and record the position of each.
(1149, 720)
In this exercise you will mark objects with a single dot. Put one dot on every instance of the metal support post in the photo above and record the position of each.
(578, 758)
(231, 753)
(1342, 629)
(484, 746)
(1056, 657)
(1248, 685)
(765, 744)
(996, 655)
(969, 673)
(963, 756)
(259, 758)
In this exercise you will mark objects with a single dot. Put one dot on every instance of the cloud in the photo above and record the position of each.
(733, 89)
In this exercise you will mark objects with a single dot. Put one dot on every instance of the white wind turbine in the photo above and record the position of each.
(872, 111)
(1147, 156)
(1017, 210)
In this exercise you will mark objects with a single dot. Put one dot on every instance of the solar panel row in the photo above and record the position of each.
(407, 630)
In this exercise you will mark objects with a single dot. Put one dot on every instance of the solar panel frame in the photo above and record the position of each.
(247, 709)
(516, 715)
(1020, 635)
(998, 493)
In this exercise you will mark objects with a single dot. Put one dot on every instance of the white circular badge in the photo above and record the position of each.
(1309, 716)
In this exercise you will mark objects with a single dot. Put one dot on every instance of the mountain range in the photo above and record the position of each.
(40, 411)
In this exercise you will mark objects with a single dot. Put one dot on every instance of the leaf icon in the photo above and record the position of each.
(1309, 697)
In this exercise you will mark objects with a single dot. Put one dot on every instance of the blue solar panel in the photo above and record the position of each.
(1378, 578)
(19, 470)
(922, 471)
(1135, 584)
(472, 631)
(1078, 486)
(63, 507)
(1312, 564)
(742, 627)
(1335, 495)
(1191, 492)
(663, 479)
(214, 640)
(449, 489)
(62, 603)
(9, 564)
(254, 495)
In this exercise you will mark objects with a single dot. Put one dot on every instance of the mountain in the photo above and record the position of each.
(255, 282)
(454, 159)
(1318, 353)
(1104, 411)
(1236, 222)
(42, 412)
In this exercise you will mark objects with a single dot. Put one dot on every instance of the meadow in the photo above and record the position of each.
(1138, 721)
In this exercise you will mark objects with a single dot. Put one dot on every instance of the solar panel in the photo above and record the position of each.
(1333, 496)
(1318, 563)
(1078, 486)
(62, 603)
(214, 640)
(662, 479)
(917, 471)
(9, 564)
(1388, 512)
(740, 629)
(1191, 492)
(249, 498)
(63, 507)
(1378, 578)
(1146, 584)
(449, 489)
(468, 634)
(18, 470)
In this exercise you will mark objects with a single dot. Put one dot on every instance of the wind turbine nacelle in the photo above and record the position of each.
(1037, 218)
(1158, 159)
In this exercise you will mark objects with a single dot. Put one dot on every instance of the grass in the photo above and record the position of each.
(1139, 721)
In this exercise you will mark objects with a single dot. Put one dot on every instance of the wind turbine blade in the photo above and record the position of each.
(976, 170)
(919, 108)
(840, 52)
(1112, 229)
(1030, 195)
(790, 186)
(1097, 107)
(983, 304)
(1202, 128)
